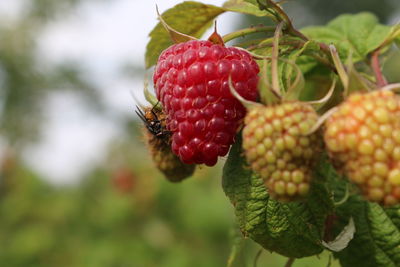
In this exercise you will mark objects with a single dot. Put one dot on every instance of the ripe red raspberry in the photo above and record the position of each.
(363, 138)
(278, 147)
(191, 81)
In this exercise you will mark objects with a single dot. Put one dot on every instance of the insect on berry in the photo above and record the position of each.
(153, 122)
(158, 140)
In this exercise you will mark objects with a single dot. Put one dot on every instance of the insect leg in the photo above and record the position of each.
(140, 114)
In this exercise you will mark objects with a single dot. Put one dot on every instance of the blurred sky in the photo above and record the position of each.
(102, 36)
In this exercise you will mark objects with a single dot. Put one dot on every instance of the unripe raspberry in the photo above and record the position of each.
(158, 140)
(278, 147)
(191, 81)
(363, 139)
(170, 165)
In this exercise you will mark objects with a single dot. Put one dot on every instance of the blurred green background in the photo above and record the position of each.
(115, 209)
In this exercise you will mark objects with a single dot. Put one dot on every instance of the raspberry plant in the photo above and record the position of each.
(347, 198)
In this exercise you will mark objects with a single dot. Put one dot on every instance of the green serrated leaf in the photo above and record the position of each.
(293, 229)
(376, 242)
(360, 33)
(394, 214)
(245, 7)
(191, 18)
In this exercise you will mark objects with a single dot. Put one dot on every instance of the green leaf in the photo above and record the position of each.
(245, 7)
(191, 18)
(293, 229)
(358, 34)
(253, 2)
(376, 242)
(394, 214)
(394, 36)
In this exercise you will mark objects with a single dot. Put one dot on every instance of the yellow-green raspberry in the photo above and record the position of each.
(363, 140)
(279, 135)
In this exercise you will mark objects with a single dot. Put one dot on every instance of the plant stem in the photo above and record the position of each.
(289, 263)
(392, 86)
(282, 16)
(151, 98)
(294, 32)
(252, 44)
(344, 198)
(293, 43)
(321, 120)
(340, 68)
(296, 44)
(243, 32)
(247, 103)
(380, 79)
(326, 62)
(274, 61)
(257, 257)
(324, 47)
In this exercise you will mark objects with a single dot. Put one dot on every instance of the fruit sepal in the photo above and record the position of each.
(176, 36)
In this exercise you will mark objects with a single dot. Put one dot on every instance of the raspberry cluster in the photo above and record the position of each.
(363, 138)
(277, 146)
(191, 81)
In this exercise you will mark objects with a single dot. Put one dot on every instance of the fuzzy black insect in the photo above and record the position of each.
(152, 122)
